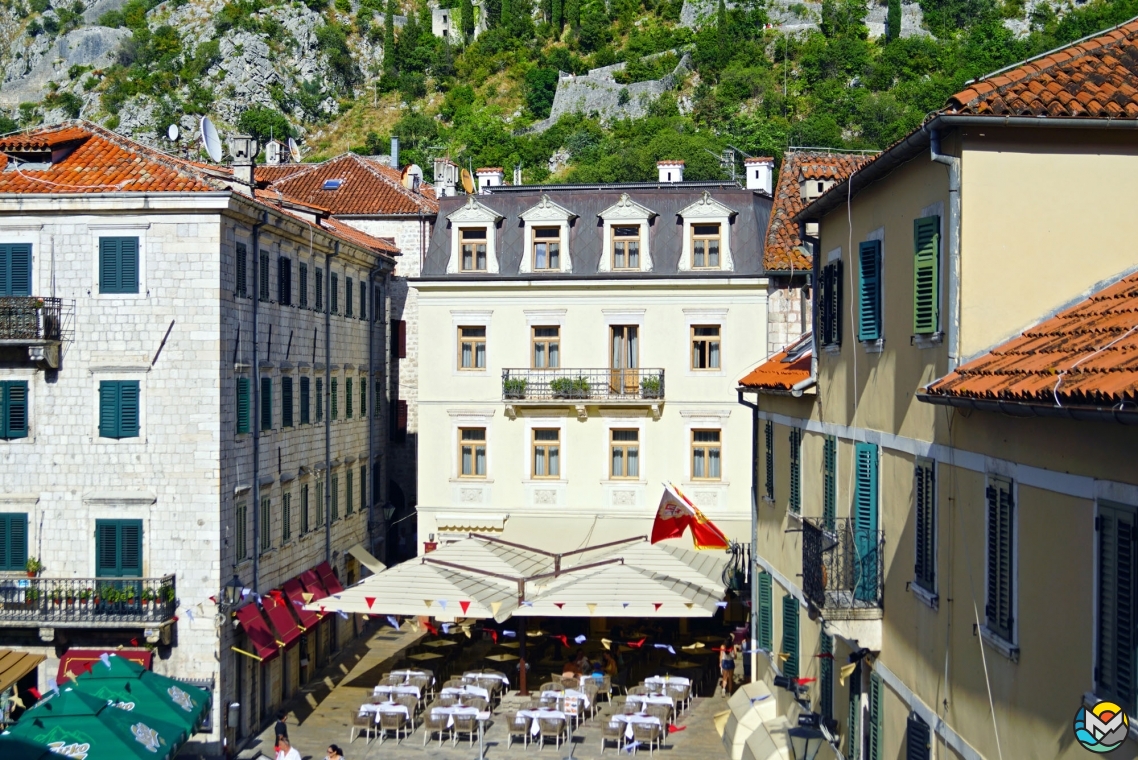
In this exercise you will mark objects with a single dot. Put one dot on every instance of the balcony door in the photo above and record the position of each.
(15, 270)
(118, 554)
(865, 522)
(624, 359)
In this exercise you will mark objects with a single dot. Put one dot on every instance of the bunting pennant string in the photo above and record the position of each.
(824, 656)
(592, 607)
(527, 603)
(370, 601)
(673, 728)
(342, 614)
(465, 606)
(307, 596)
(34, 692)
(669, 647)
(804, 681)
(394, 623)
(105, 659)
(581, 639)
(428, 602)
(606, 643)
(17, 702)
(434, 631)
(845, 672)
(657, 605)
(559, 605)
(636, 644)
(190, 614)
(443, 603)
(625, 604)
(562, 638)
(494, 607)
(696, 645)
(784, 656)
(446, 628)
(510, 634)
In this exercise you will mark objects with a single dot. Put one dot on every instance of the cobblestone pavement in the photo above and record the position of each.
(322, 713)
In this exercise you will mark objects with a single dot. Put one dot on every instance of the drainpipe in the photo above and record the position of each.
(953, 327)
(327, 400)
(255, 412)
(753, 564)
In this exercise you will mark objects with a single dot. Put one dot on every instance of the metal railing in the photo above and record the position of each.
(843, 565)
(31, 318)
(92, 601)
(582, 384)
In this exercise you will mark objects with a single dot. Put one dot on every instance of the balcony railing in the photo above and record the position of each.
(842, 566)
(31, 318)
(82, 602)
(583, 385)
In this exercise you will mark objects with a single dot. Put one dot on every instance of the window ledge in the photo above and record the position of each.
(927, 597)
(796, 516)
(832, 348)
(874, 346)
(927, 341)
(1001, 645)
(472, 481)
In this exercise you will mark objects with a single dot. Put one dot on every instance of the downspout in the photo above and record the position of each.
(328, 400)
(255, 412)
(753, 565)
(953, 328)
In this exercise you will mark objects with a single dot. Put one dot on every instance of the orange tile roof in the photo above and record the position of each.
(781, 372)
(383, 245)
(1084, 355)
(781, 252)
(1096, 78)
(42, 140)
(369, 187)
(273, 172)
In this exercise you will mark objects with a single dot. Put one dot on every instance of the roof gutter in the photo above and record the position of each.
(1027, 409)
(953, 327)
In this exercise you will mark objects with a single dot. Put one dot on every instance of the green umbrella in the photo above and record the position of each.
(85, 728)
(133, 688)
(15, 748)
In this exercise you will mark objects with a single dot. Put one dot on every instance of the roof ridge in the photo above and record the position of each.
(398, 185)
(172, 163)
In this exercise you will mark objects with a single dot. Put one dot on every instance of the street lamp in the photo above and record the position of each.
(388, 511)
(232, 591)
(805, 742)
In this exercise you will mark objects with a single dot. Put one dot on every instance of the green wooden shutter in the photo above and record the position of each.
(349, 494)
(795, 470)
(831, 305)
(128, 409)
(303, 286)
(348, 292)
(286, 402)
(118, 548)
(865, 522)
(241, 517)
(925, 512)
(363, 396)
(768, 479)
(243, 405)
(305, 400)
(319, 399)
(869, 290)
(876, 698)
(766, 612)
(999, 604)
(128, 265)
(853, 722)
(242, 256)
(926, 274)
(263, 275)
(108, 409)
(118, 265)
(826, 682)
(363, 488)
(363, 300)
(15, 270)
(335, 393)
(266, 403)
(918, 739)
(829, 482)
(348, 398)
(13, 541)
(14, 409)
(790, 636)
(1116, 671)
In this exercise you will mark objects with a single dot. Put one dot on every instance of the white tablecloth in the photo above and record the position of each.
(636, 718)
(415, 673)
(650, 699)
(495, 676)
(547, 714)
(467, 690)
(453, 711)
(386, 707)
(667, 681)
(560, 695)
(404, 689)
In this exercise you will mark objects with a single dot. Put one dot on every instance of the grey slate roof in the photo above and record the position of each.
(586, 234)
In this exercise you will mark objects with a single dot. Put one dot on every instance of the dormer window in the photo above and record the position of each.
(547, 238)
(705, 246)
(546, 249)
(707, 236)
(627, 230)
(473, 249)
(626, 247)
(815, 188)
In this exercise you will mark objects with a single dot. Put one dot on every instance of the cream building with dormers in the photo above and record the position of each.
(584, 342)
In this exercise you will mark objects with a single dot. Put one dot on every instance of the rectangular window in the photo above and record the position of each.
(705, 347)
(546, 248)
(768, 463)
(266, 403)
(118, 265)
(926, 275)
(399, 337)
(829, 482)
(241, 287)
(15, 270)
(303, 285)
(363, 396)
(320, 505)
(284, 281)
(624, 447)
(348, 291)
(266, 524)
(705, 246)
(304, 507)
(319, 399)
(626, 247)
(376, 303)
(766, 612)
(335, 495)
(546, 352)
(865, 523)
(924, 508)
(13, 409)
(334, 293)
(546, 453)
(118, 409)
(118, 548)
(13, 541)
(286, 517)
(826, 672)
(790, 636)
(286, 402)
(874, 724)
(264, 275)
(795, 471)
(473, 244)
(918, 739)
(241, 531)
(472, 452)
(319, 289)
(348, 398)
(305, 400)
(869, 291)
(1116, 666)
(243, 404)
(1000, 606)
(853, 725)
(363, 488)
(377, 389)
(363, 300)
(705, 455)
(472, 348)
(400, 409)
(830, 304)
(334, 401)
(349, 493)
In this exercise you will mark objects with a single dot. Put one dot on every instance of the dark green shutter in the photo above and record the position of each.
(829, 482)
(334, 293)
(363, 488)
(348, 294)
(363, 396)
(118, 408)
(349, 492)
(348, 397)
(790, 636)
(319, 289)
(865, 521)
(1000, 560)
(118, 548)
(768, 477)
(303, 286)
(118, 265)
(826, 682)
(242, 405)
(926, 274)
(1116, 671)
(925, 512)
(876, 698)
(266, 403)
(13, 541)
(305, 400)
(363, 300)
(15, 270)
(795, 470)
(918, 739)
(284, 281)
(108, 409)
(242, 256)
(853, 722)
(286, 402)
(14, 409)
(869, 290)
(263, 274)
(335, 392)
(830, 304)
(128, 409)
(319, 399)
(766, 612)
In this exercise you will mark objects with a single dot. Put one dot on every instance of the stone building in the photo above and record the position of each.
(189, 370)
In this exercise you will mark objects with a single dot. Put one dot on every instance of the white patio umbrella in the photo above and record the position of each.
(619, 590)
(703, 568)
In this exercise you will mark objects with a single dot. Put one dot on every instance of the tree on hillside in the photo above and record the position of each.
(389, 39)
(540, 87)
(557, 17)
(573, 14)
(467, 18)
(893, 21)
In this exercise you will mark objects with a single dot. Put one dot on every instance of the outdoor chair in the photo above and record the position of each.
(646, 733)
(454, 683)
(606, 688)
(641, 690)
(424, 684)
(680, 696)
(391, 680)
(464, 724)
(550, 701)
(553, 728)
(411, 702)
(478, 702)
(612, 731)
(435, 724)
(618, 702)
(446, 700)
(552, 686)
(362, 723)
(519, 727)
(570, 682)
(663, 712)
(394, 722)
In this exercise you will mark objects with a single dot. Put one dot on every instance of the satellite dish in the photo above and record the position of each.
(210, 140)
(172, 132)
(467, 182)
(294, 150)
(412, 177)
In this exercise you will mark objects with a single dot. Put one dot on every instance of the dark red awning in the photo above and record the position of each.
(257, 628)
(331, 582)
(312, 582)
(80, 660)
(295, 593)
(281, 618)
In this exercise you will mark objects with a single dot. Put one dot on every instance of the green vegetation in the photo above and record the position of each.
(264, 124)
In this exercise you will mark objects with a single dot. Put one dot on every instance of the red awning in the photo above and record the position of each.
(312, 582)
(331, 582)
(80, 660)
(263, 641)
(295, 593)
(282, 619)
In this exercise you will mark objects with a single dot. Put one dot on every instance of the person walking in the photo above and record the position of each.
(334, 753)
(285, 750)
(280, 728)
(727, 667)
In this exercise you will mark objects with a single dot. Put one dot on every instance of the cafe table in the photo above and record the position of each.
(426, 657)
(440, 643)
(629, 719)
(502, 657)
(510, 645)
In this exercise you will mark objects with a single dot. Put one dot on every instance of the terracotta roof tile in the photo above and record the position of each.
(1096, 78)
(369, 187)
(782, 371)
(1084, 355)
(781, 252)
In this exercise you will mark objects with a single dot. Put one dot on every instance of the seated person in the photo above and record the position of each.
(571, 670)
(582, 661)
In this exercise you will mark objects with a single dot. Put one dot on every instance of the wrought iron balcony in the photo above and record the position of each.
(843, 568)
(580, 386)
(87, 602)
(26, 319)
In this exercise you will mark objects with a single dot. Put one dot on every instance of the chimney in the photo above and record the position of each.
(670, 171)
(274, 153)
(395, 153)
(518, 174)
(489, 176)
(244, 149)
(446, 177)
(760, 174)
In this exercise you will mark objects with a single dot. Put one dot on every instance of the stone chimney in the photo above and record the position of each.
(489, 176)
(670, 171)
(244, 149)
(446, 177)
(760, 174)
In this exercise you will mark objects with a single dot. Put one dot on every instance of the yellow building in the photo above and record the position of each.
(946, 471)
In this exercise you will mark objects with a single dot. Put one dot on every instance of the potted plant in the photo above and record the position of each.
(57, 598)
(651, 387)
(32, 597)
(33, 566)
(166, 592)
(560, 387)
(514, 387)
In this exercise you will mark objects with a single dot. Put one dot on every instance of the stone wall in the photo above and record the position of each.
(786, 303)
(789, 16)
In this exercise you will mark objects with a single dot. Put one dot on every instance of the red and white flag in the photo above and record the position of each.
(677, 514)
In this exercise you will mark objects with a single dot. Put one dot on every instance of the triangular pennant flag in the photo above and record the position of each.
(307, 596)
(606, 643)
(721, 605)
(394, 623)
(625, 604)
(34, 692)
(466, 629)
(581, 639)
(370, 601)
(342, 614)
(804, 681)
(190, 615)
(321, 610)
(510, 634)
(443, 603)
(689, 605)
(592, 607)
(69, 674)
(446, 628)
(52, 685)
(673, 728)
(696, 645)
(824, 656)
(465, 606)
(105, 659)
(428, 602)
(494, 607)
(527, 603)
(846, 671)
(657, 605)
(784, 656)
(16, 701)
(559, 605)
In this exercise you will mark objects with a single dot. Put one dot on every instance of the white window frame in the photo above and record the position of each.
(29, 376)
(539, 423)
(123, 373)
(707, 210)
(625, 213)
(470, 418)
(469, 319)
(546, 214)
(138, 230)
(707, 420)
(707, 317)
(473, 214)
